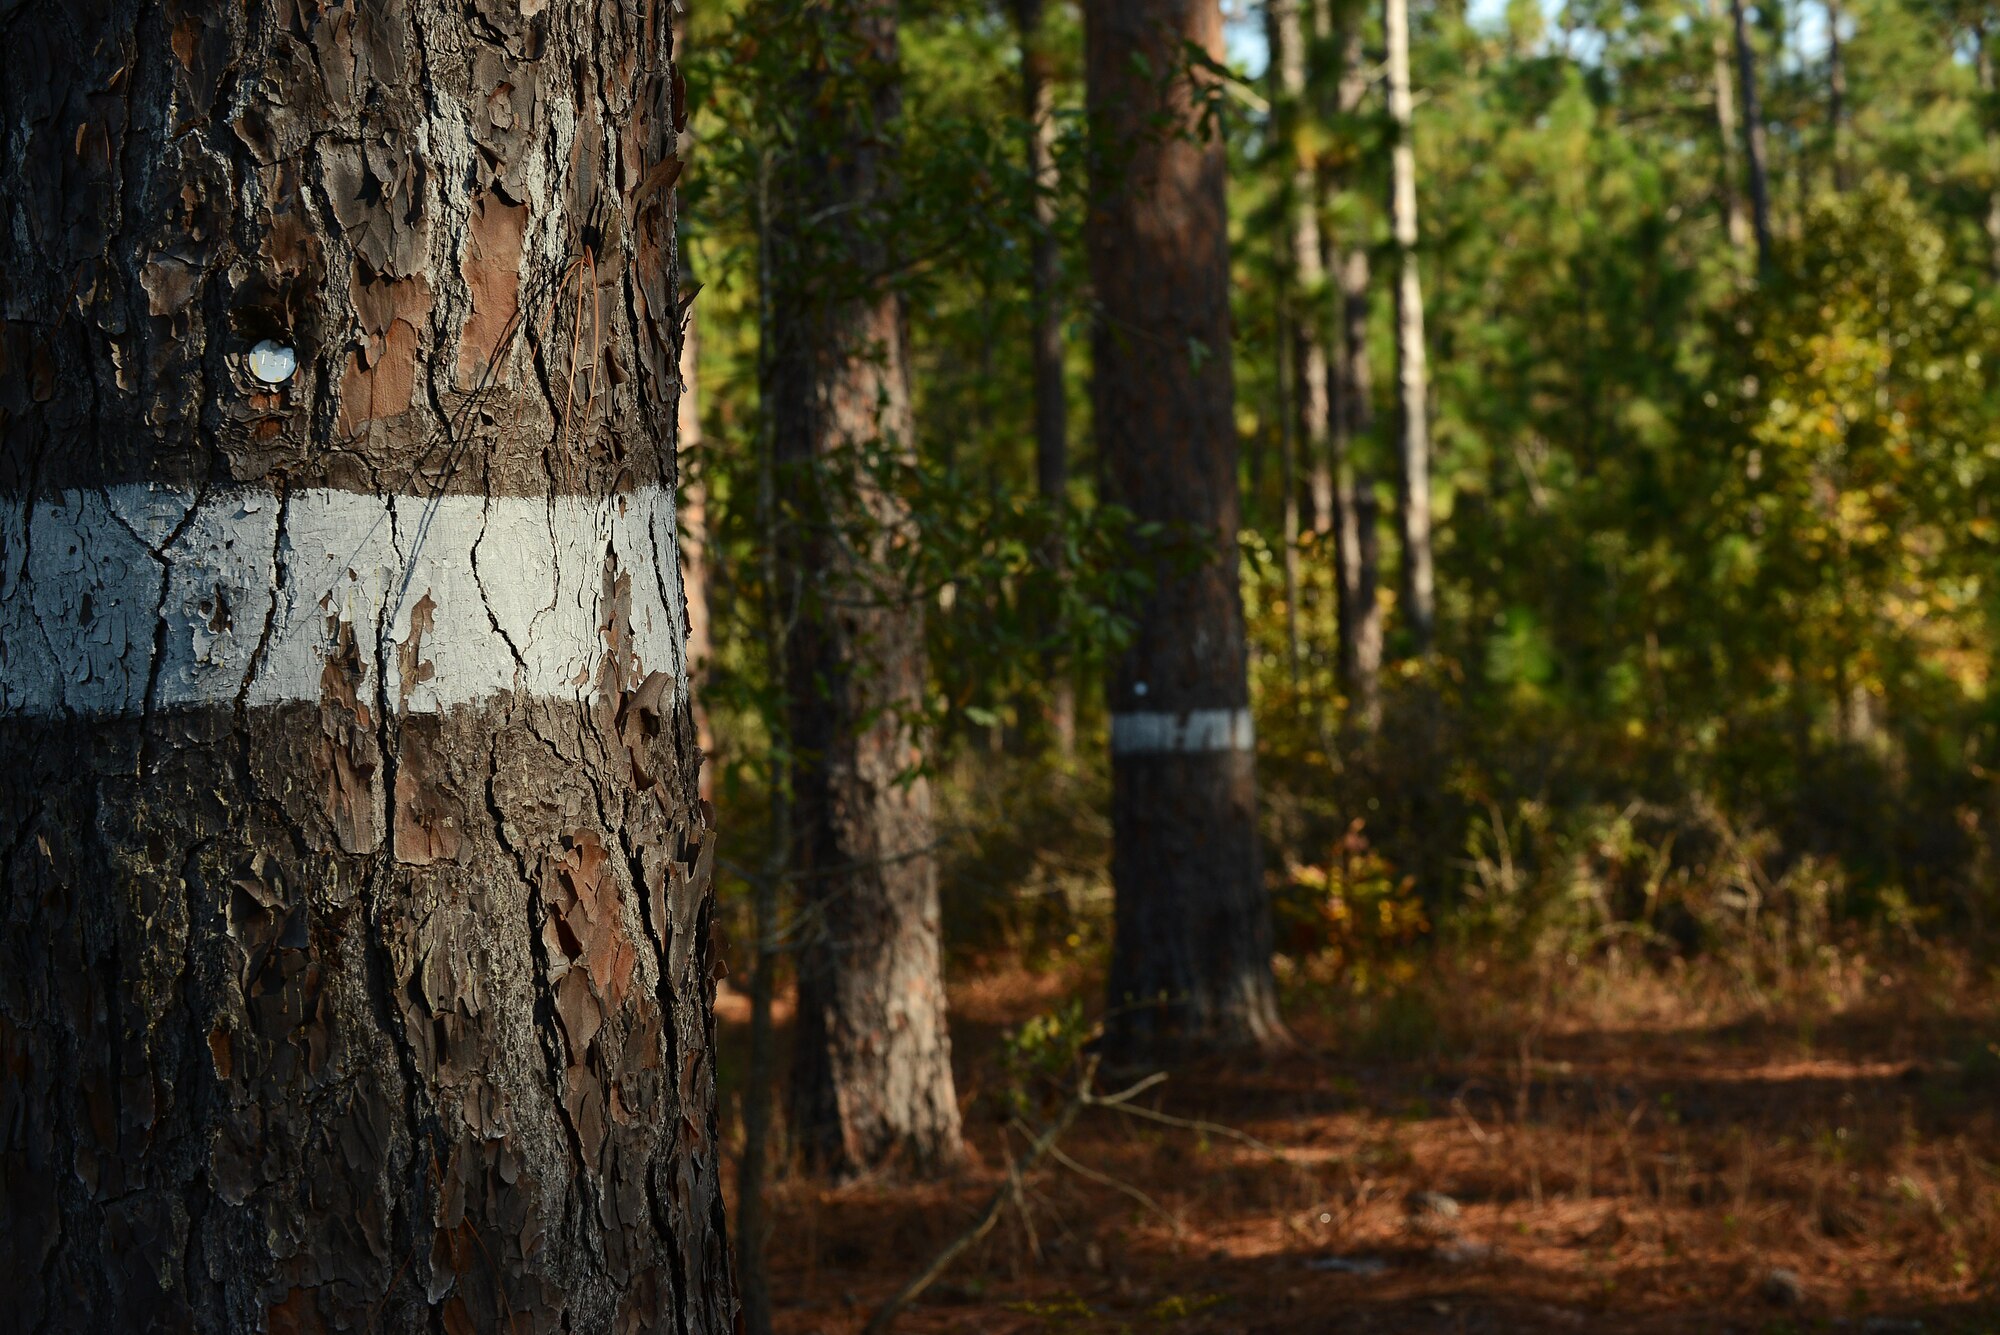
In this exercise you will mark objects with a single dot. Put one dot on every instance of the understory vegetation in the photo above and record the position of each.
(1648, 912)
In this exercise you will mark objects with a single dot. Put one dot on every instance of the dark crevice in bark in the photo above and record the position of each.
(547, 1027)
(410, 1217)
(280, 579)
(159, 656)
(485, 599)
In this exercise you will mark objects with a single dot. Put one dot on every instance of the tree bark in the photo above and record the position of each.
(1045, 299)
(1412, 374)
(1191, 953)
(871, 1076)
(1753, 134)
(1304, 273)
(1735, 224)
(1356, 558)
(353, 964)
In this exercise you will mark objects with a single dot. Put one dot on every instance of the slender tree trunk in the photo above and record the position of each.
(1736, 224)
(760, 1076)
(1356, 558)
(1288, 459)
(871, 1075)
(1045, 297)
(1988, 86)
(1836, 97)
(1301, 351)
(1412, 375)
(1753, 134)
(353, 963)
(1191, 955)
(1304, 274)
(696, 553)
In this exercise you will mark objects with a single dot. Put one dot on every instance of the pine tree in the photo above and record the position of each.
(1191, 957)
(353, 963)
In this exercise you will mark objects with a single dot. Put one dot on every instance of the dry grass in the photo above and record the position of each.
(1628, 1148)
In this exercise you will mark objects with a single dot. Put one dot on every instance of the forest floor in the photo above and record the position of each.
(1626, 1149)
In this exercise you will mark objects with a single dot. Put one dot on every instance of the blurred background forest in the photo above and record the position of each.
(1697, 753)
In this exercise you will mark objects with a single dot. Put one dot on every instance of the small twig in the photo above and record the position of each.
(1041, 1145)
(1205, 1128)
(1021, 1209)
(1106, 1180)
(1123, 1096)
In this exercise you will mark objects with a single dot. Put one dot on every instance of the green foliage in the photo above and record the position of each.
(1041, 1058)
(1349, 911)
(1716, 549)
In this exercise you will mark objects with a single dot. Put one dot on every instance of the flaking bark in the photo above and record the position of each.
(328, 1015)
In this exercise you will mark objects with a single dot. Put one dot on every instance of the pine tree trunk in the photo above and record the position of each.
(1045, 299)
(871, 1076)
(352, 963)
(1736, 225)
(1412, 374)
(1753, 134)
(1191, 955)
(1356, 558)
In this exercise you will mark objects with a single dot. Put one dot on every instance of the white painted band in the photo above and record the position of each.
(239, 596)
(1158, 732)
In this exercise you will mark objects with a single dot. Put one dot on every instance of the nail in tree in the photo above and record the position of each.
(1191, 958)
(353, 885)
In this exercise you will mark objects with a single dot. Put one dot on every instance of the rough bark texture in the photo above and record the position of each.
(871, 1077)
(1412, 372)
(1191, 956)
(1753, 133)
(1045, 299)
(348, 978)
(1734, 221)
(1357, 562)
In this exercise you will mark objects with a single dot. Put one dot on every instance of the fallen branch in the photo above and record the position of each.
(1106, 1180)
(1016, 1169)
(1205, 1128)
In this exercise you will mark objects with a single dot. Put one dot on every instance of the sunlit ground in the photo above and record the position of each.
(1626, 1149)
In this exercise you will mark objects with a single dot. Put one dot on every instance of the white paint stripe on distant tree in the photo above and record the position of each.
(1159, 732)
(93, 584)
